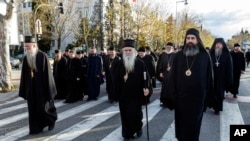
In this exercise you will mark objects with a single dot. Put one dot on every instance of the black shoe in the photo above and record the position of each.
(139, 133)
(51, 127)
(235, 96)
(163, 105)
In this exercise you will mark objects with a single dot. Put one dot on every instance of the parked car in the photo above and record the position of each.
(20, 57)
(15, 63)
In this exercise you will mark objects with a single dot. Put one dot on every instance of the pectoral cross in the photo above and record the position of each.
(32, 74)
(126, 76)
(217, 64)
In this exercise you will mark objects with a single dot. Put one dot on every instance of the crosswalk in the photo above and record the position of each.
(99, 120)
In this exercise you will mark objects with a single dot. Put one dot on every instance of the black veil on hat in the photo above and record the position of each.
(29, 39)
(219, 40)
(196, 33)
(129, 43)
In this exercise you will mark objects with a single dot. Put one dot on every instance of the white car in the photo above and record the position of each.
(15, 63)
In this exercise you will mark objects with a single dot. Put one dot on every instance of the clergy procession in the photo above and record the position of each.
(134, 84)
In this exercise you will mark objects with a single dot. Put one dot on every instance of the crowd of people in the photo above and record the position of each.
(192, 79)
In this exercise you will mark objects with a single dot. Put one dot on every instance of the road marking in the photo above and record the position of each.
(18, 117)
(85, 125)
(231, 115)
(153, 109)
(170, 134)
(13, 108)
(11, 101)
(19, 133)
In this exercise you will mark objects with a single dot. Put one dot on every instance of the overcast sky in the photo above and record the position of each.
(223, 18)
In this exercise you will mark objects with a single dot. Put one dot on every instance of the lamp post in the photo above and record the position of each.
(37, 22)
(176, 19)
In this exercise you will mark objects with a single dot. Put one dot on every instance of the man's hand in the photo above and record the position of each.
(145, 91)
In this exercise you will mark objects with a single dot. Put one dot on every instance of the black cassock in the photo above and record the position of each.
(130, 96)
(238, 66)
(60, 76)
(110, 68)
(38, 90)
(94, 76)
(189, 95)
(223, 77)
(165, 61)
(74, 85)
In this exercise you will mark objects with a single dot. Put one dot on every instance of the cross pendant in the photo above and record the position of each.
(217, 64)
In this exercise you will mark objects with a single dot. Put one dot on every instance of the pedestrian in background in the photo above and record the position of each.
(60, 73)
(164, 65)
(238, 68)
(150, 64)
(94, 74)
(37, 86)
(247, 57)
(110, 65)
(131, 90)
(223, 71)
(190, 86)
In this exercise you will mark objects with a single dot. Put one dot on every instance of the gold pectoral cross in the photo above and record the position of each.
(126, 76)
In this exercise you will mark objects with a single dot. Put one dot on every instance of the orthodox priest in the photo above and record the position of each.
(239, 67)
(223, 71)
(110, 65)
(37, 86)
(133, 85)
(60, 73)
(164, 65)
(190, 86)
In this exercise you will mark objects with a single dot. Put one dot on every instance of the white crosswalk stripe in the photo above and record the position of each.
(230, 115)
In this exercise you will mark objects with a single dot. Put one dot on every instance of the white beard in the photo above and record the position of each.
(129, 61)
(31, 58)
(218, 51)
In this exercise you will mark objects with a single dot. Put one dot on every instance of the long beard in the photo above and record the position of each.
(31, 58)
(191, 50)
(129, 61)
(218, 51)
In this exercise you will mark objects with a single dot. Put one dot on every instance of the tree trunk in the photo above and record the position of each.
(5, 80)
(5, 68)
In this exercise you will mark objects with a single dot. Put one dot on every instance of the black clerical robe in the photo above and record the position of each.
(238, 66)
(165, 61)
(94, 76)
(38, 89)
(189, 95)
(223, 77)
(130, 96)
(111, 65)
(60, 76)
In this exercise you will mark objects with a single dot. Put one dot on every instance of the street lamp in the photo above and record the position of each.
(38, 22)
(176, 19)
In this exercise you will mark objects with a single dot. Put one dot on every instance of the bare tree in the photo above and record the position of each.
(5, 68)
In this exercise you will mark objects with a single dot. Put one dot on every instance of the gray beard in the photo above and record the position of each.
(31, 58)
(129, 61)
(218, 51)
(191, 50)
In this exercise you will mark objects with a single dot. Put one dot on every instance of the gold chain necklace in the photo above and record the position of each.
(188, 72)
